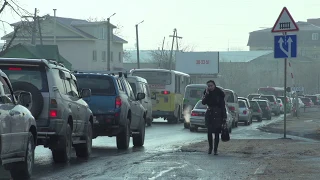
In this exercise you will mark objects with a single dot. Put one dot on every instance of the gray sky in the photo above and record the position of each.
(204, 24)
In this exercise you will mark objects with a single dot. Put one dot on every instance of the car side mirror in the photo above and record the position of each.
(24, 98)
(154, 96)
(85, 93)
(140, 96)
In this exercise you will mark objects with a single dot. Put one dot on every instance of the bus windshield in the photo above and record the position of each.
(154, 77)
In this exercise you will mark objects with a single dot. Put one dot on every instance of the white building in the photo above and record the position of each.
(81, 42)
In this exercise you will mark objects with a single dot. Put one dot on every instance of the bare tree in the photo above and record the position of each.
(14, 7)
(162, 57)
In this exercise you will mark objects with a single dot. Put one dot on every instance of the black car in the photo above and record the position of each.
(266, 110)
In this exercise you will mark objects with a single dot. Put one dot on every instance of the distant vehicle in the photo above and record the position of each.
(168, 88)
(257, 111)
(251, 96)
(265, 107)
(276, 91)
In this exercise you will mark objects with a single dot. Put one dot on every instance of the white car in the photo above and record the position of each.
(281, 106)
(197, 118)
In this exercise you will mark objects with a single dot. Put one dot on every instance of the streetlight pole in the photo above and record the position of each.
(137, 44)
(109, 39)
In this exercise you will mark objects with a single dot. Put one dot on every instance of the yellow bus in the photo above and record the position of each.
(167, 88)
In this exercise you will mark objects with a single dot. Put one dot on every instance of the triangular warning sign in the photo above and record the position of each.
(285, 22)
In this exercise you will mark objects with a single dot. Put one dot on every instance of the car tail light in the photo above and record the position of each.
(231, 108)
(194, 113)
(165, 92)
(53, 112)
(275, 103)
(280, 105)
(118, 102)
(259, 110)
(244, 112)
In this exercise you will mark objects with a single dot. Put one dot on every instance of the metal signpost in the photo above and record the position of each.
(285, 46)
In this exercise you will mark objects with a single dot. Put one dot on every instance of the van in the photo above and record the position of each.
(140, 85)
(231, 99)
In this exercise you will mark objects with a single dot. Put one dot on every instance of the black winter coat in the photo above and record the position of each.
(216, 111)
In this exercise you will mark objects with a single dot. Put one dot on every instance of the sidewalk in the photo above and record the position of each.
(307, 125)
(277, 158)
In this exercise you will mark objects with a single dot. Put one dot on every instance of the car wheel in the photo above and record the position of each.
(84, 150)
(63, 155)
(138, 139)
(186, 125)
(23, 170)
(123, 138)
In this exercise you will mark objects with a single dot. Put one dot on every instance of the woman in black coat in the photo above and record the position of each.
(216, 114)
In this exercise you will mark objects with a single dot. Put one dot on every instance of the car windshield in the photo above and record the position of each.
(196, 93)
(99, 85)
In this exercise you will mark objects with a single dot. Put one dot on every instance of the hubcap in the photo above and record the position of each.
(30, 157)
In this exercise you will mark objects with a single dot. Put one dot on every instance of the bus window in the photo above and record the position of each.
(177, 83)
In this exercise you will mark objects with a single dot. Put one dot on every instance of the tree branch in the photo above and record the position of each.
(3, 6)
(6, 47)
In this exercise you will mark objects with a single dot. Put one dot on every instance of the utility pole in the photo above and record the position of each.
(39, 27)
(137, 39)
(177, 37)
(54, 27)
(174, 36)
(109, 39)
(34, 26)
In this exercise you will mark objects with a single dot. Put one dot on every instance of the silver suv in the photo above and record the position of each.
(63, 118)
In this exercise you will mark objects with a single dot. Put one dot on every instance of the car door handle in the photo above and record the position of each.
(146, 101)
(69, 104)
(78, 107)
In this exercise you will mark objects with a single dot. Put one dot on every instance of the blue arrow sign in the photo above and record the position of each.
(285, 46)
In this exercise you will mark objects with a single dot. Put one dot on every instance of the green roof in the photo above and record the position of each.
(37, 52)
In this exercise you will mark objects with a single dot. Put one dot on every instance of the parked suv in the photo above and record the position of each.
(18, 132)
(140, 85)
(63, 118)
(117, 111)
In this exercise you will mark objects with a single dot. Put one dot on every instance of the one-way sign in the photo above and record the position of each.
(285, 46)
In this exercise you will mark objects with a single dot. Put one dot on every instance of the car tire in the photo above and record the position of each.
(123, 138)
(84, 150)
(259, 119)
(138, 139)
(269, 117)
(63, 155)
(23, 170)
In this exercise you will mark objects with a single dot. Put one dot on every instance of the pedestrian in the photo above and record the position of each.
(216, 114)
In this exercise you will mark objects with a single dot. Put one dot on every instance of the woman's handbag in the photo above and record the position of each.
(225, 133)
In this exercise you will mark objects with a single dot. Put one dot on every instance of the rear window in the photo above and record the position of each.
(254, 103)
(314, 98)
(229, 97)
(262, 103)
(34, 75)
(270, 98)
(242, 104)
(196, 93)
(305, 99)
(99, 85)
(199, 105)
(252, 96)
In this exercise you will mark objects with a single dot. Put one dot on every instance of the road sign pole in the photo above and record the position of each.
(285, 95)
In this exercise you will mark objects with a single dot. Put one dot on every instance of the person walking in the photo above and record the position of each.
(215, 115)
